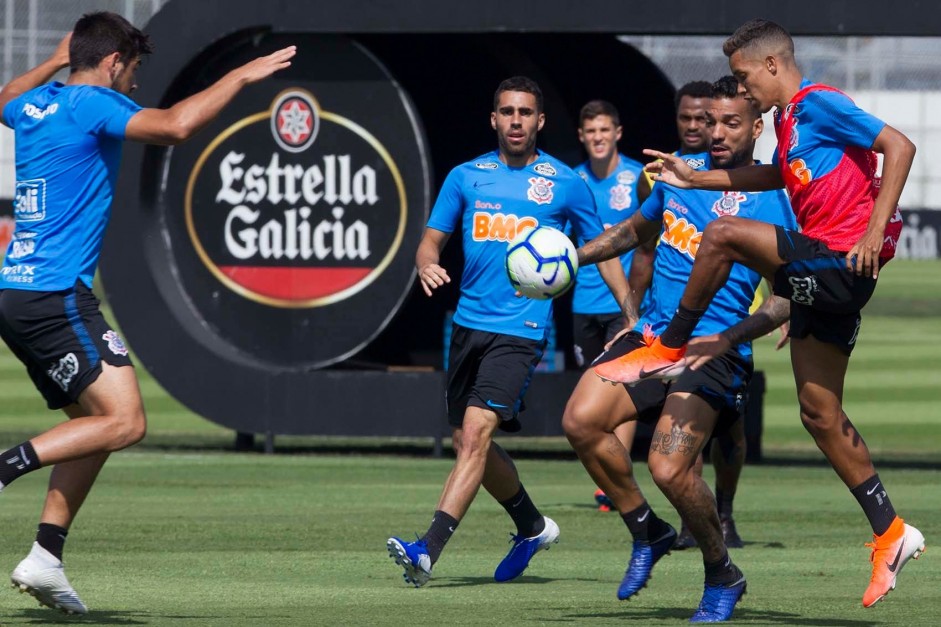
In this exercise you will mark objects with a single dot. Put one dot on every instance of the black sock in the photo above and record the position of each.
(644, 524)
(16, 462)
(681, 327)
(722, 572)
(521, 509)
(724, 503)
(875, 503)
(52, 538)
(438, 534)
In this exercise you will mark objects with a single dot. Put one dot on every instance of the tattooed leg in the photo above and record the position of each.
(591, 416)
(683, 429)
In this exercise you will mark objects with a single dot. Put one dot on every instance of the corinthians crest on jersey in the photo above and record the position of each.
(295, 206)
(728, 204)
(540, 190)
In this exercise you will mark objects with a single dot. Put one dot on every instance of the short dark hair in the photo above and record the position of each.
(519, 83)
(594, 108)
(728, 87)
(97, 35)
(759, 32)
(693, 89)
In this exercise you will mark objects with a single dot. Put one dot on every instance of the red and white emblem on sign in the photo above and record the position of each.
(620, 197)
(540, 190)
(294, 120)
(728, 204)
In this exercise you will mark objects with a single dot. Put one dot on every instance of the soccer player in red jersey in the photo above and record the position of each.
(850, 225)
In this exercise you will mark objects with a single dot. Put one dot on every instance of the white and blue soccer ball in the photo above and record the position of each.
(541, 262)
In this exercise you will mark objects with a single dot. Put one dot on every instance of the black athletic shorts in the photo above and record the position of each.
(491, 371)
(591, 332)
(61, 338)
(722, 382)
(826, 298)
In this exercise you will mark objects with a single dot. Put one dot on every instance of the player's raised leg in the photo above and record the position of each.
(725, 241)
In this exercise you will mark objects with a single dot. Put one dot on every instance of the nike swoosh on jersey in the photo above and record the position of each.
(496, 405)
(479, 184)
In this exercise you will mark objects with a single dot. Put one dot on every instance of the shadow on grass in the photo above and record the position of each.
(742, 615)
(43, 616)
(460, 582)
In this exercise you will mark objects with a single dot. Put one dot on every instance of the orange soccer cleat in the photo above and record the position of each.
(890, 552)
(654, 361)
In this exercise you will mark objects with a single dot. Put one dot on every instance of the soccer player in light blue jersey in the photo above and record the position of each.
(686, 410)
(68, 149)
(497, 337)
(619, 185)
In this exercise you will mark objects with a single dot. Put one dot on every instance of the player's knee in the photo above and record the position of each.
(819, 417)
(721, 233)
(131, 428)
(576, 423)
(667, 474)
(474, 441)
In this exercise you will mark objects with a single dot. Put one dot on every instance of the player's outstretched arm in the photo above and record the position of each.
(772, 314)
(431, 275)
(673, 170)
(899, 152)
(185, 118)
(38, 75)
(617, 240)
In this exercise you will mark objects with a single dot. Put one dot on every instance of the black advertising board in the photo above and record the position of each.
(278, 241)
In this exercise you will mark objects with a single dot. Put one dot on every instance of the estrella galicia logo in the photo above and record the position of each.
(295, 120)
(295, 207)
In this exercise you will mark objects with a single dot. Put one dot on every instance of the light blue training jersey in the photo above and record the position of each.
(615, 199)
(685, 213)
(491, 202)
(68, 150)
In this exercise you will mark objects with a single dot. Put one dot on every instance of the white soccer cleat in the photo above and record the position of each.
(43, 576)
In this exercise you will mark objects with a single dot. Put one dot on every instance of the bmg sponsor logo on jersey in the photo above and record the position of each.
(499, 227)
(294, 206)
(681, 234)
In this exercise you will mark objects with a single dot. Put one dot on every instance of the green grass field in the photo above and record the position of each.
(180, 532)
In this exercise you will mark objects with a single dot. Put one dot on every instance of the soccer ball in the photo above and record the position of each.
(541, 262)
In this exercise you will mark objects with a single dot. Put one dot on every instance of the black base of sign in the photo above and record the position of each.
(420, 411)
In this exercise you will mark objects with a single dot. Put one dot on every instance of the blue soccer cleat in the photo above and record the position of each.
(718, 602)
(523, 550)
(643, 556)
(413, 557)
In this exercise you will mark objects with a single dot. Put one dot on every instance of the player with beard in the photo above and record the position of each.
(687, 409)
(497, 338)
(850, 224)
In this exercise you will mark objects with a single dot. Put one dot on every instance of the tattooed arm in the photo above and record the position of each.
(772, 314)
(617, 240)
